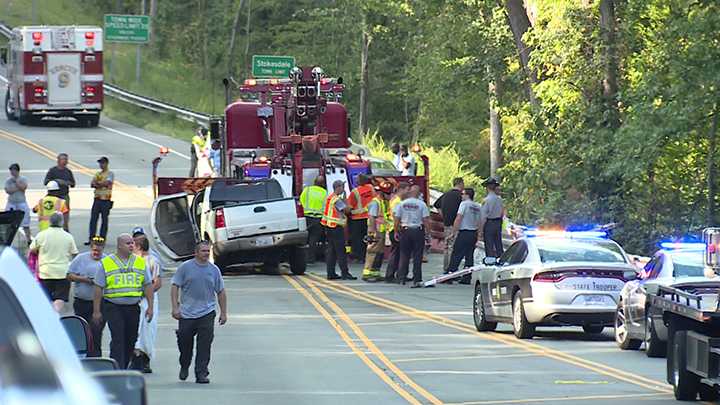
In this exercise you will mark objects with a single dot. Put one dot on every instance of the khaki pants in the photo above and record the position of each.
(374, 257)
(449, 242)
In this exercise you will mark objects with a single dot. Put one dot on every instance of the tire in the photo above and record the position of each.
(685, 384)
(708, 393)
(593, 329)
(297, 260)
(654, 346)
(25, 118)
(9, 113)
(90, 122)
(219, 261)
(481, 322)
(622, 334)
(521, 327)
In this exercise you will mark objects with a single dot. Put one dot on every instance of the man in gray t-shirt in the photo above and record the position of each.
(200, 282)
(15, 187)
(82, 273)
(465, 229)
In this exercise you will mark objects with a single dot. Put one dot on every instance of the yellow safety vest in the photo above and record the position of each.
(123, 280)
(332, 217)
(384, 220)
(393, 203)
(312, 199)
(47, 206)
(103, 193)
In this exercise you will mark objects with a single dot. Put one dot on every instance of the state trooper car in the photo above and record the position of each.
(678, 265)
(552, 279)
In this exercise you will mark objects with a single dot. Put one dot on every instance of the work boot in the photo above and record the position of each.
(348, 276)
(183, 374)
(333, 277)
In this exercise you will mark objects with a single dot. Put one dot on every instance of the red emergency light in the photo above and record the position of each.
(89, 35)
(37, 38)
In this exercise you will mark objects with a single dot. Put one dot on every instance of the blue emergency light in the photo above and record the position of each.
(682, 245)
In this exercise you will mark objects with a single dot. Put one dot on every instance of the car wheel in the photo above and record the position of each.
(708, 393)
(481, 322)
(685, 384)
(9, 111)
(622, 334)
(593, 329)
(654, 347)
(297, 260)
(521, 327)
(218, 260)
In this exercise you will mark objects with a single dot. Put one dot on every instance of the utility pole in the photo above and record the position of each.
(138, 51)
(113, 47)
(33, 12)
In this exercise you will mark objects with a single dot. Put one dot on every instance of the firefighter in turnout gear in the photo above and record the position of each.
(358, 202)
(312, 199)
(379, 223)
(49, 205)
(334, 220)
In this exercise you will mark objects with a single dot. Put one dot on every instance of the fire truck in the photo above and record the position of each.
(54, 71)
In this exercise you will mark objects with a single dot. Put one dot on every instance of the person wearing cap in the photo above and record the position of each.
(312, 199)
(49, 205)
(138, 235)
(102, 182)
(65, 179)
(82, 273)
(15, 187)
(55, 248)
(465, 232)
(334, 220)
(412, 219)
(448, 205)
(491, 219)
(394, 259)
(379, 222)
(358, 202)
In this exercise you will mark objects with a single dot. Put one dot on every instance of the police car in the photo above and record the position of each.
(552, 279)
(678, 265)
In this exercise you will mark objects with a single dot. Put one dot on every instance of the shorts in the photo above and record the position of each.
(56, 289)
(22, 206)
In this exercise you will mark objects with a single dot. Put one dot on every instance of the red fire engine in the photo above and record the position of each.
(55, 71)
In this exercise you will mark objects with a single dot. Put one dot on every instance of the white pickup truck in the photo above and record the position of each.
(246, 221)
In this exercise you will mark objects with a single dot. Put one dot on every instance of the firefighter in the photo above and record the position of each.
(412, 220)
(392, 266)
(465, 232)
(49, 205)
(358, 202)
(379, 222)
(312, 199)
(334, 220)
(492, 217)
(196, 148)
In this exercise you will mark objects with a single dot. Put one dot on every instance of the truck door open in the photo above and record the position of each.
(172, 227)
(63, 79)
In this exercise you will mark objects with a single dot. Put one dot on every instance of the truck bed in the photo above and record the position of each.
(683, 303)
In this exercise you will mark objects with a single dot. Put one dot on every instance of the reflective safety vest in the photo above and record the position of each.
(103, 193)
(384, 221)
(359, 200)
(312, 199)
(331, 216)
(121, 279)
(47, 206)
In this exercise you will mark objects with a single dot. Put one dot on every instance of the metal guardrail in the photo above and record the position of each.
(137, 100)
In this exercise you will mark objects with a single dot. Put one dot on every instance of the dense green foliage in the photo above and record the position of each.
(611, 120)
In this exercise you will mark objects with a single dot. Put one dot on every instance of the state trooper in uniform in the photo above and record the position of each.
(412, 218)
(379, 221)
(120, 284)
(465, 233)
(492, 219)
(334, 220)
(312, 199)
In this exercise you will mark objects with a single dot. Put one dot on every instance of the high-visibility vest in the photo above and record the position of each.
(103, 193)
(383, 221)
(359, 200)
(47, 206)
(123, 280)
(331, 216)
(312, 199)
(393, 203)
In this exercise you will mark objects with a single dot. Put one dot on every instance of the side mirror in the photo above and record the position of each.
(79, 333)
(630, 275)
(489, 261)
(4, 56)
(123, 387)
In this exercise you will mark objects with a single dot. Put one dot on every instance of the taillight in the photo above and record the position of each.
(219, 218)
(299, 210)
(548, 277)
(38, 92)
(89, 91)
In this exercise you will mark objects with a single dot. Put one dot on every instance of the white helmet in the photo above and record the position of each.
(53, 186)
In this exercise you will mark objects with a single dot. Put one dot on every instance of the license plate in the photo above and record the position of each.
(595, 300)
(264, 241)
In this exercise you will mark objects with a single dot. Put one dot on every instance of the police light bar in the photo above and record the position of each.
(533, 233)
(257, 82)
(682, 245)
(711, 237)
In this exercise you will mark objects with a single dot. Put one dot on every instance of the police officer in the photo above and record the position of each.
(312, 199)
(358, 202)
(379, 221)
(49, 205)
(394, 259)
(120, 283)
(465, 231)
(412, 218)
(334, 220)
(492, 217)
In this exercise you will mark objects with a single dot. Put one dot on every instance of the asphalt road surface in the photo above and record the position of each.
(303, 340)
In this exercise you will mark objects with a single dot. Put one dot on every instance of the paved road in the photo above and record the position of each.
(304, 340)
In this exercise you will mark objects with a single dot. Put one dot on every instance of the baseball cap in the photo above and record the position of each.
(138, 230)
(338, 183)
(103, 159)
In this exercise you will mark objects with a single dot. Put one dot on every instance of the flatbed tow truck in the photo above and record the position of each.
(693, 320)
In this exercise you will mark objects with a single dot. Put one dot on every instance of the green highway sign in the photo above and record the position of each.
(272, 66)
(134, 29)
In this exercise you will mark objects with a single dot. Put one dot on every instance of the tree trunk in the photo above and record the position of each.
(496, 130)
(519, 25)
(247, 38)
(364, 83)
(711, 170)
(233, 36)
(153, 15)
(610, 85)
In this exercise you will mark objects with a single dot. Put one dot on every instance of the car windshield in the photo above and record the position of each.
(382, 164)
(559, 250)
(228, 193)
(688, 264)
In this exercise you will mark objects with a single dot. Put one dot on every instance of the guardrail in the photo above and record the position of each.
(135, 99)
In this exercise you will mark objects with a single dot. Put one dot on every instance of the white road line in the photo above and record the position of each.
(137, 138)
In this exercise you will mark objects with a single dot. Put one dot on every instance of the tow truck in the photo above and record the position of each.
(692, 316)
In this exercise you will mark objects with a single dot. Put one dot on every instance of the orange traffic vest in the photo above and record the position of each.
(359, 200)
(331, 216)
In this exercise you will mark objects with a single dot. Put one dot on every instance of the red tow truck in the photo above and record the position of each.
(54, 71)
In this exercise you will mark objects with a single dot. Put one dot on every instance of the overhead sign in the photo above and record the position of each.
(272, 66)
(134, 29)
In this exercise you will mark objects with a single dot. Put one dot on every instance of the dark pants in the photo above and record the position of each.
(315, 231)
(123, 323)
(358, 231)
(492, 235)
(193, 161)
(464, 247)
(335, 252)
(393, 259)
(100, 208)
(204, 328)
(84, 309)
(412, 243)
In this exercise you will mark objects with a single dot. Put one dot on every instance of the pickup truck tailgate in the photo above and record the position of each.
(275, 216)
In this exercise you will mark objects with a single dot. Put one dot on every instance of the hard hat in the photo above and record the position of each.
(53, 186)
(385, 187)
